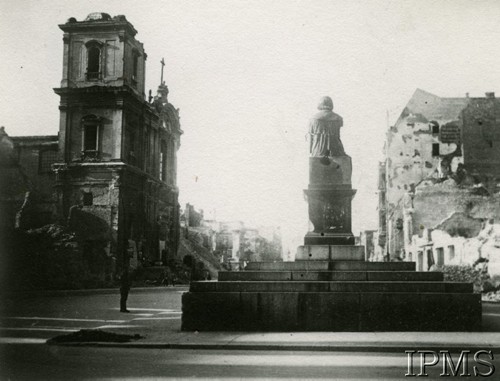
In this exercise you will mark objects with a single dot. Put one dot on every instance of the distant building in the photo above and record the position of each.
(115, 159)
(439, 195)
(232, 241)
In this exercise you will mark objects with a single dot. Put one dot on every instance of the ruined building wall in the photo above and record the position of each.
(454, 225)
(414, 145)
(481, 137)
(33, 157)
(424, 143)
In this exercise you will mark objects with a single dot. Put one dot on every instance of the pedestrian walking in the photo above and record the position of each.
(124, 289)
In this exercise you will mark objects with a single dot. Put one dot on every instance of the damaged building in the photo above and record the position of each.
(439, 187)
(112, 168)
(231, 242)
(27, 180)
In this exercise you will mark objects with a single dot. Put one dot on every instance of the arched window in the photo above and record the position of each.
(94, 58)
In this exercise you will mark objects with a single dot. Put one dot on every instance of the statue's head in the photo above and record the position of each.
(325, 103)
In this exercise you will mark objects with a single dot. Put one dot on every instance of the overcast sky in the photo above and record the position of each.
(247, 76)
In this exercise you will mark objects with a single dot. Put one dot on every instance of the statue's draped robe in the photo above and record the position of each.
(324, 131)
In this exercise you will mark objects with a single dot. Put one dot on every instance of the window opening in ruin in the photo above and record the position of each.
(45, 160)
(430, 259)
(88, 199)
(440, 256)
(435, 149)
(93, 62)
(434, 127)
(451, 252)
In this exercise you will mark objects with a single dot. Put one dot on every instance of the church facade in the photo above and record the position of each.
(115, 170)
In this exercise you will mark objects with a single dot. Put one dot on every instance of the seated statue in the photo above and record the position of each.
(324, 131)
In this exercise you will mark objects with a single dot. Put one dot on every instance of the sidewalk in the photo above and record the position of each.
(312, 341)
(88, 291)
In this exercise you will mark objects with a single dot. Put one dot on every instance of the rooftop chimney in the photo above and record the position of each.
(490, 95)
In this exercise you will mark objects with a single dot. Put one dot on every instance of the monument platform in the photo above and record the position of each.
(330, 287)
(330, 295)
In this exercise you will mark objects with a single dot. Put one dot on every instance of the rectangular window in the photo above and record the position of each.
(430, 259)
(46, 159)
(90, 137)
(435, 149)
(451, 252)
(87, 198)
(440, 256)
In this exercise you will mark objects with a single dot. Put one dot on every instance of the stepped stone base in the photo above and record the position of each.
(312, 238)
(330, 295)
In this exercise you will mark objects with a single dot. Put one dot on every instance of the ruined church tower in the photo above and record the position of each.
(116, 175)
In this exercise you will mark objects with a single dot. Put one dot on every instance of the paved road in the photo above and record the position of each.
(51, 363)
(25, 323)
(41, 317)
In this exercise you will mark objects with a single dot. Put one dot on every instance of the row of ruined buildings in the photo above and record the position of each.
(110, 172)
(439, 186)
(232, 242)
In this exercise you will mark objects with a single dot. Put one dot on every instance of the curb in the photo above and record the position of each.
(95, 291)
(399, 347)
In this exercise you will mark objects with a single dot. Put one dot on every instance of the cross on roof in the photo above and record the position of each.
(162, 66)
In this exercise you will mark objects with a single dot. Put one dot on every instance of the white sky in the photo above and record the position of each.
(247, 76)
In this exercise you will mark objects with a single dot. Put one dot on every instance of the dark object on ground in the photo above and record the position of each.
(93, 335)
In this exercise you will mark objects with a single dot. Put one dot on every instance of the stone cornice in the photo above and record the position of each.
(85, 26)
(103, 96)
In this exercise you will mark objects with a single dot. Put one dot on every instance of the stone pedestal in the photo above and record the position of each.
(330, 287)
(330, 253)
(329, 196)
(330, 295)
